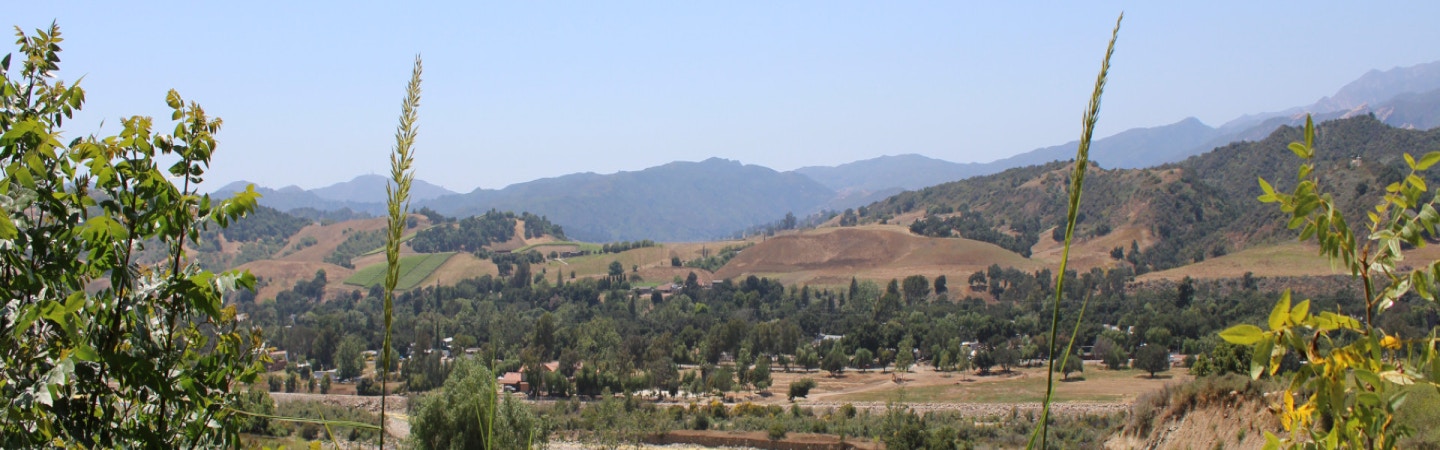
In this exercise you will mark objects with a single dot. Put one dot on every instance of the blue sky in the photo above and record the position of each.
(310, 91)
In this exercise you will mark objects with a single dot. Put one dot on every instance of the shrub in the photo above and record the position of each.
(777, 431)
(801, 388)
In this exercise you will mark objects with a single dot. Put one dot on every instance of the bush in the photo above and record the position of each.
(777, 431)
(801, 388)
(449, 419)
(367, 387)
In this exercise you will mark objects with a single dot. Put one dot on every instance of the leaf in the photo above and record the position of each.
(1299, 149)
(1410, 161)
(1300, 312)
(1280, 313)
(7, 228)
(1245, 334)
(1428, 160)
(1261, 358)
(1271, 442)
(1416, 181)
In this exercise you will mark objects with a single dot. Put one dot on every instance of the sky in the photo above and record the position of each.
(310, 92)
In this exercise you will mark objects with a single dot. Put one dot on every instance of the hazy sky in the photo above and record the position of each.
(310, 91)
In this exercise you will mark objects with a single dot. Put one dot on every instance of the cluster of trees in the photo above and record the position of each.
(537, 226)
(976, 226)
(264, 223)
(357, 243)
(466, 235)
(623, 246)
(714, 262)
(789, 222)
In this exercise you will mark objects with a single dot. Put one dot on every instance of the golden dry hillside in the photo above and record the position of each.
(831, 256)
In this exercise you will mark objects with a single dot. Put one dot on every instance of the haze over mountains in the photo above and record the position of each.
(688, 201)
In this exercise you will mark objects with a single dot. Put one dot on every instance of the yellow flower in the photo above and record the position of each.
(1390, 342)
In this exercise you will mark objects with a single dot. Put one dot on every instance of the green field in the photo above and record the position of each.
(413, 270)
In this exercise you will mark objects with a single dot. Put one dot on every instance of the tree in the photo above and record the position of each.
(801, 388)
(1158, 336)
(983, 361)
(905, 356)
(1153, 359)
(941, 286)
(350, 358)
(835, 361)
(325, 384)
(617, 271)
(468, 414)
(917, 287)
(76, 362)
(1006, 357)
(807, 358)
(760, 375)
(544, 336)
(394, 360)
(1072, 364)
(977, 281)
(1185, 293)
(1110, 353)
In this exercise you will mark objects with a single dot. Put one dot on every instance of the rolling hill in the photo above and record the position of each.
(1179, 213)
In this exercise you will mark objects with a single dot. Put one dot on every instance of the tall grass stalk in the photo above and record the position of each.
(1077, 180)
(401, 177)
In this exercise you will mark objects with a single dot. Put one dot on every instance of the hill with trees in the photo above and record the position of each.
(1184, 212)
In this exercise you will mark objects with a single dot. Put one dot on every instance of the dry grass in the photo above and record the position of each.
(1290, 259)
(831, 256)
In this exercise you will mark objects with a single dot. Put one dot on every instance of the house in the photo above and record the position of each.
(514, 382)
(278, 360)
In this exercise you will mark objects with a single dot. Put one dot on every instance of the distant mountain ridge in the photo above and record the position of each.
(371, 189)
(686, 201)
(679, 201)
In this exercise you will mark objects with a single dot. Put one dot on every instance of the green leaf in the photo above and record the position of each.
(1428, 160)
(1280, 313)
(1271, 442)
(86, 353)
(1298, 314)
(1261, 358)
(1299, 149)
(7, 228)
(1245, 334)
(1410, 161)
(1309, 132)
(1416, 181)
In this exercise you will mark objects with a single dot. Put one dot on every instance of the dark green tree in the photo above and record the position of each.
(1072, 364)
(1153, 359)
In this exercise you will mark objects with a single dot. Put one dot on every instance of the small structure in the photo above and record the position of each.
(278, 360)
(514, 382)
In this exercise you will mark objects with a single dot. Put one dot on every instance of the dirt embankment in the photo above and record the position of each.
(755, 439)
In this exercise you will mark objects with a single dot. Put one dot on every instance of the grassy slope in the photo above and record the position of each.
(413, 270)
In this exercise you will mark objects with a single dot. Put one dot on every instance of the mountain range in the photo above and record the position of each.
(688, 201)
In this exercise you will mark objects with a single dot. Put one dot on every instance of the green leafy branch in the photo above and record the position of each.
(1353, 378)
